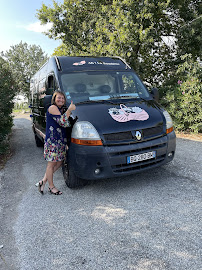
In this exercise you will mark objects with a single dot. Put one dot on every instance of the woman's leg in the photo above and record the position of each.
(49, 174)
(57, 165)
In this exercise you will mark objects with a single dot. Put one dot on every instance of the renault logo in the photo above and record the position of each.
(138, 135)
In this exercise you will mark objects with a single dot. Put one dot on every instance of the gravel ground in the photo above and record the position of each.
(148, 221)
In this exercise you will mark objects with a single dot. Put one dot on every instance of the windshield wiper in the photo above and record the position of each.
(94, 101)
(143, 99)
(129, 97)
(125, 96)
(108, 100)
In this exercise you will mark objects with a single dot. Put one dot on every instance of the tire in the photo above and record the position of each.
(39, 143)
(71, 180)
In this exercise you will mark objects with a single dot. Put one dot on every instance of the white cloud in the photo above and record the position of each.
(37, 27)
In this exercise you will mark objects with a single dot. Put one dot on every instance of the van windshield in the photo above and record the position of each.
(81, 86)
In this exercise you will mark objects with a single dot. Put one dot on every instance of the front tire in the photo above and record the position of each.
(71, 180)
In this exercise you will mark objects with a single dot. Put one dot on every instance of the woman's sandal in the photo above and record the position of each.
(39, 186)
(55, 193)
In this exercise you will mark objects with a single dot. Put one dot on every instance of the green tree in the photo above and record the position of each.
(7, 93)
(136, 30)
(132, 29)
(187, 22)
(184, 99)
(24, 60)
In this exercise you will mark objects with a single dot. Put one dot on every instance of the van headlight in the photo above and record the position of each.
(169, 122)
(84, 133)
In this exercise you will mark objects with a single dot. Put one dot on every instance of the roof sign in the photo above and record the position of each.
(95, 63)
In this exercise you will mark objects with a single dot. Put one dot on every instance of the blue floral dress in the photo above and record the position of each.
(55, 141)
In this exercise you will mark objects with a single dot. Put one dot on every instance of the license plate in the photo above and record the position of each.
(141, 157)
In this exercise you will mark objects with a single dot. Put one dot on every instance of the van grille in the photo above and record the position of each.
(128, 137)
(118, 159)
(139, 150)
(147, 132)
(120, 136)
(138, 166)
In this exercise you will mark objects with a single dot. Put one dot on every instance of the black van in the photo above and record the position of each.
(118, 127)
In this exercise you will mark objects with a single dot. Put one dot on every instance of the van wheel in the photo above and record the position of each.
(71, 180)
(39, 143)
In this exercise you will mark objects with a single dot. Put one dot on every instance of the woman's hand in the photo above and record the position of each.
(71, 107)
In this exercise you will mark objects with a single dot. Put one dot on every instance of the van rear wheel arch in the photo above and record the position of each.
(39, 142)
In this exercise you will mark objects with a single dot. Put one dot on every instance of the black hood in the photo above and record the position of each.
(97, 113)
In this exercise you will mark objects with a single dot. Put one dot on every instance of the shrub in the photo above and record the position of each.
(184, 100)
(7, 93)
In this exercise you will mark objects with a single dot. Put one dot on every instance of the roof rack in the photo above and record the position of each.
(118, 57)
(57, 63)
(115, 57)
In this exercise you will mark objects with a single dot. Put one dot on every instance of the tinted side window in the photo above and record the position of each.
(129, 85)
(132, 84)
(50, 85)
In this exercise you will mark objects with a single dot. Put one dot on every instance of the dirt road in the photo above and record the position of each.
(144, 222)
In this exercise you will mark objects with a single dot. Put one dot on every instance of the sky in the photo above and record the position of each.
(18, 22)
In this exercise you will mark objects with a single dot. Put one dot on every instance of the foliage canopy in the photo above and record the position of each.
(136, 30)
(7, 93)
(24, 60)
(184, 99)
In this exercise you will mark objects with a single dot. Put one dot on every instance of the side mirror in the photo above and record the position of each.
(155, 94)
(47, 102)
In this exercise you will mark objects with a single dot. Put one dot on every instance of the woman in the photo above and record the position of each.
(55, 141)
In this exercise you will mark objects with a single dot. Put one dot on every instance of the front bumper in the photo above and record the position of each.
(111, 160)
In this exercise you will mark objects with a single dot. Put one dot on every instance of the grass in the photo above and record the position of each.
(21, 108)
